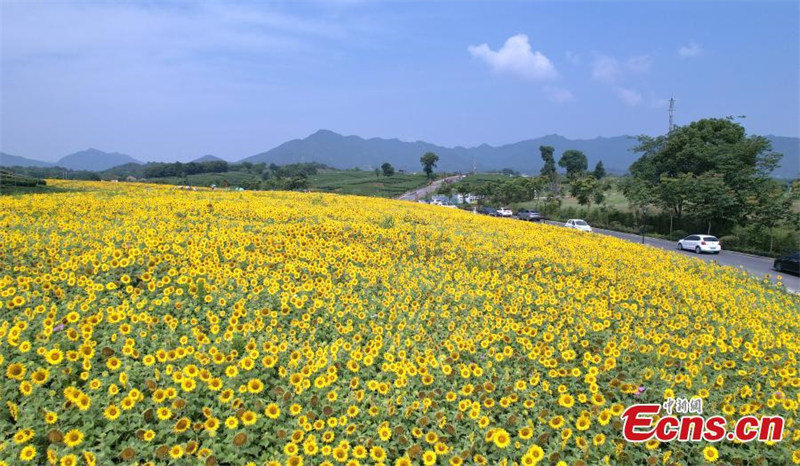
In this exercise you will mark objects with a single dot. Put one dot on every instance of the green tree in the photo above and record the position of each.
(640, 195)
(428, 162)
(574, 162)
(599, 170)
(583, 189)
(587, 190)
(711, 199)
(549, 167)
(771, 206)
(714, 153)
(672, 195)
(388, 169)
(550, 173)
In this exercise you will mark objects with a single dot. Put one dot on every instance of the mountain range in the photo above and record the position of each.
(89, 159)
(340, 151)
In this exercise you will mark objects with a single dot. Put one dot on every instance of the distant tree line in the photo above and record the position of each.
(56, 173)
(178, 169)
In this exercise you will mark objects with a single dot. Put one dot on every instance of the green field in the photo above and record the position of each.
(14, 183)
(365, 183)
(358, 182)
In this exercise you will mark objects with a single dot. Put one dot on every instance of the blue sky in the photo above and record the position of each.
(175, 80)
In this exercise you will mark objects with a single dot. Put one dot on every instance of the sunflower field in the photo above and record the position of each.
(144, 324)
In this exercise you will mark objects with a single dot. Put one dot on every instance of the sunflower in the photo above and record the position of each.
(23, 436)
(533, 455)
(501, 438)
(69, 460)
(359, 452)
(556, 422)
(27, 453)
(15, 371)
(340, 454)
(176, 452)
(40, 376)
(377, 453)
(255, 386)
(710, 454)
(73, 438)
(583, 423)
(249, 418)
(272, 411)
(111, 412)
(182, 425)
(566, 400)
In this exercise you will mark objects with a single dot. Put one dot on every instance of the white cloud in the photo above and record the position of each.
(516, 58)
(639, 64)
(573, 57)
(629, 96)
(559, 95)
(613, 72)
(691, 50)
(609, 70)
(605, 69)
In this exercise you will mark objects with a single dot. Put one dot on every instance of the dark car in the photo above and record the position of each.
(790, 263)
(531, 215)
(490, 211)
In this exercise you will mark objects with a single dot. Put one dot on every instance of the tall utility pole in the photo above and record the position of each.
(671, 114)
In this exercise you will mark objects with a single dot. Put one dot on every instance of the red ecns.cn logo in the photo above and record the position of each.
(640, 425)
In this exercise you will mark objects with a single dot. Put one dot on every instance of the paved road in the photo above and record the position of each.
(755, 265)
(419, 193)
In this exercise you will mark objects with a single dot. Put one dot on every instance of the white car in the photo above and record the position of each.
(504, 212)
(700, 244)
(578, 224)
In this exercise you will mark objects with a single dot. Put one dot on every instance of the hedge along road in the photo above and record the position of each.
(758, 266)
